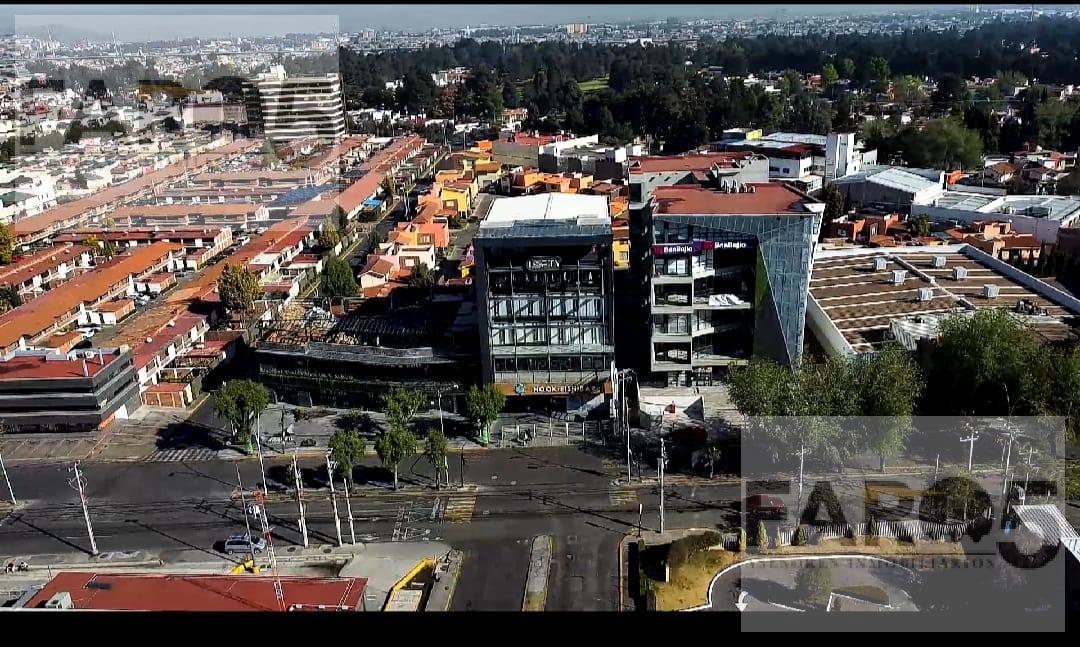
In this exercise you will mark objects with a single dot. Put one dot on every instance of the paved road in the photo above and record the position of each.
(513, 496)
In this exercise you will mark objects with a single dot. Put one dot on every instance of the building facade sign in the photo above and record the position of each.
(697, 246)
(551, 388)
(542, 263)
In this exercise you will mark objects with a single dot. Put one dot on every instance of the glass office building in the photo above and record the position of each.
(544, 289)
(726, 272)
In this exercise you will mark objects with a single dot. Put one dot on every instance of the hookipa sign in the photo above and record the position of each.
(542, 263)
(543, 388)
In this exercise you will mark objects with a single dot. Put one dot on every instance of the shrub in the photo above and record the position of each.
(762, 537)
(307, 442)
(741, 548)
(797, 538)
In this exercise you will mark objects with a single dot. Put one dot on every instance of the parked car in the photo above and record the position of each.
(765, 505)
(244, 544)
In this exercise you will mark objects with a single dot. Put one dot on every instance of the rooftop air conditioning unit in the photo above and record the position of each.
(991, 291)
(959, 273)
(898, 277)
(926, 294)
(880, 263)
(939, 261)
(61, 600)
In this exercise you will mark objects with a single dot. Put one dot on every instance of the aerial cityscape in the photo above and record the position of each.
(543, 308)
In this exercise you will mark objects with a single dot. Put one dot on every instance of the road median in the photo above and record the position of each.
(536, 586)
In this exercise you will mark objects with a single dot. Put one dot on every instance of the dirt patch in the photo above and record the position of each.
(688, 584)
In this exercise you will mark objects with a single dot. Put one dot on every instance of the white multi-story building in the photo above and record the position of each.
(287, 108)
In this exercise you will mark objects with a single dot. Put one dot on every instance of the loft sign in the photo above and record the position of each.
(542, 263)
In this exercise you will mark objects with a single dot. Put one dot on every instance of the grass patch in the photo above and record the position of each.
(593, 85)
(688, 585)
(877, 546)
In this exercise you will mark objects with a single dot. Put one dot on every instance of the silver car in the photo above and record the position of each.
(245, 544)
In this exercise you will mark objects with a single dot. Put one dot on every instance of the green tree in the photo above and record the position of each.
(74, 133)
(919, 225)
(329, 236)
(834, 209)
(1070, 184)
(846, 68)
(829, 75)
(944, 143)
(761, 537)
(338, 281)
(1053, 384)
(879, 72)
(238, 288)
(395, 445)
(889, 385)
(421, 276)
(435, 452)
(239, 402)
(346, 450)
(7, 244)
(483, 406)
(813, 583)
(908, 89)
(403, 404)
(980, 365)
(9, 298)
(108, 249)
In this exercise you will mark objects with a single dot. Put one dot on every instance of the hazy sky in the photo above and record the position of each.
(145, 22)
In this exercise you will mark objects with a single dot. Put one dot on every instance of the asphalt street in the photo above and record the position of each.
(512, 496)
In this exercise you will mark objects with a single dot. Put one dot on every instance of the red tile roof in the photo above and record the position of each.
(144, 592)
(686, 162)
(31, 319)
(75, 211)
(30, 367)
(768, 198)
(39, 262)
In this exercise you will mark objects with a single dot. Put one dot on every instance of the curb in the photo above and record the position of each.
(459, 557)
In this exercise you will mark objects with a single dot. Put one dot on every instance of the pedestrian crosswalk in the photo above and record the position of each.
(192, 454)
(622, 497)
(459, 508)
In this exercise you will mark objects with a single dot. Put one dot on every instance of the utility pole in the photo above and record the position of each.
(1027, 475)
(663, 460)
(7, 480)
(300, 499)
(333, 498)
(243, 503)
(348, 510)
(803, 451)
(971, 448)
(258, 448)
(1010, 437)
(79, 483)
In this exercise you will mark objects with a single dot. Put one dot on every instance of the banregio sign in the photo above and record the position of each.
(687, 249)
(542, 263)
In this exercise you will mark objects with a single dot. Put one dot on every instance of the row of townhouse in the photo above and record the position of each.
(44, 269)
(236, 215)
(172, 342)
(201, 244)
(38, 227)
(76, 300)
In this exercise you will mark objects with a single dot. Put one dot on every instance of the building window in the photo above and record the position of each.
(624, 256)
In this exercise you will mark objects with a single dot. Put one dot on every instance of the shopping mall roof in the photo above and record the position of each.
(854, 294)
(548, 208)
(145, 592)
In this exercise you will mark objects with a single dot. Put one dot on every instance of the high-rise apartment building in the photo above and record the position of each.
(286, 108)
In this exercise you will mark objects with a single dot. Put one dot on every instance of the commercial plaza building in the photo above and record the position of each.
(41, 391)
(544, 292)
(725, 270)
